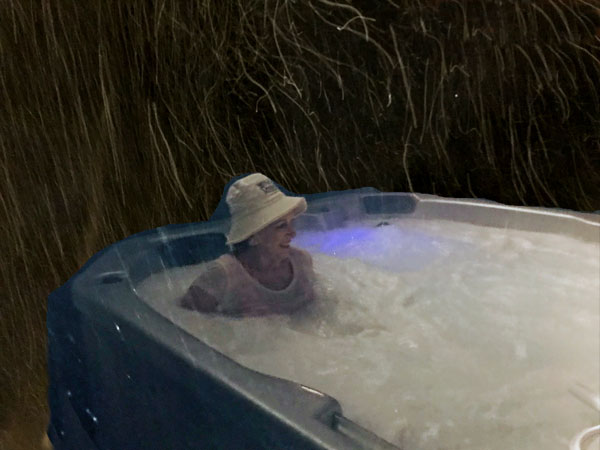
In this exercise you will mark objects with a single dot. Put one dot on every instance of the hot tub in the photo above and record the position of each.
(127, 372)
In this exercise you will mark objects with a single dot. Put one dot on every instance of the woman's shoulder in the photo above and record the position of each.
(213, 270)
(207, 289)
(301, 255)
(299, 252)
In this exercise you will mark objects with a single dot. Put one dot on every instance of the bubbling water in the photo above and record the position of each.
(433, 334)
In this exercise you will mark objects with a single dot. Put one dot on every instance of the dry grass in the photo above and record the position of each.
(123, 116)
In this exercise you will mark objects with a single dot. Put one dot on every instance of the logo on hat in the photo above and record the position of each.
(267, 186)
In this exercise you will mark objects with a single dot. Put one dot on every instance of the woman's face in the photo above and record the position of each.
(276, 237)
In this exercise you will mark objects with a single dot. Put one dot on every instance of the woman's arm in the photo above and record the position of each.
(207, 290)
(198, 299)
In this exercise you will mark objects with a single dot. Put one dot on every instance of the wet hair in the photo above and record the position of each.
(240, 247)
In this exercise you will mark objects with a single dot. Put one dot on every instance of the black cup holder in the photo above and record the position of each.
(112, 277)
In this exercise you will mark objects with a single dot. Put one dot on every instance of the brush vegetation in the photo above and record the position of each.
(118, 117)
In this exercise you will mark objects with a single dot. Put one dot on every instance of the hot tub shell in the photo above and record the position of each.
(122, 376)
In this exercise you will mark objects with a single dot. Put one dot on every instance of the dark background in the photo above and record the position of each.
(117, 117)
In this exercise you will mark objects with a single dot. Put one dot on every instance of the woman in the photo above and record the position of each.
(263, 274)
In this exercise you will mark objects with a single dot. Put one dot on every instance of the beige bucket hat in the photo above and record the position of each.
(254, 203)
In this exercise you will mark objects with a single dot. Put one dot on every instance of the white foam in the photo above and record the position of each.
(433, 334)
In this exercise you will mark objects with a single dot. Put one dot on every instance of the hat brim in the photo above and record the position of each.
(245, 227)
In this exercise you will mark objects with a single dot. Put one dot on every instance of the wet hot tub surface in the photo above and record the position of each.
(433, 334)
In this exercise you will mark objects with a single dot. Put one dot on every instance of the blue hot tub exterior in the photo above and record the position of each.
(124, 377)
